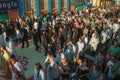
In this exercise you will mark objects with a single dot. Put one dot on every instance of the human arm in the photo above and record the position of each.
(42, 74)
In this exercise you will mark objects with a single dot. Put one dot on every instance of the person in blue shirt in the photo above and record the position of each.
(94, 73)
(38, 72)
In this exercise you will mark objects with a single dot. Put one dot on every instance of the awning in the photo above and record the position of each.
(80, 8)
(4, 17)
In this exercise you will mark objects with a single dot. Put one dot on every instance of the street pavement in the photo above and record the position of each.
(28, 57)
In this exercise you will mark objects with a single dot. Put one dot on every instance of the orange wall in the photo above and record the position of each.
(72, 8)
(13, 14)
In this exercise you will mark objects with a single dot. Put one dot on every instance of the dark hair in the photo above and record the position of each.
(97, 67)
(39, 68)
(39, 65)
(4, 47)
(12, 56)
(7, 38)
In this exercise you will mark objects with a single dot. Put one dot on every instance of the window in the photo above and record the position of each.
(62, 3)
(28, 5)
(53, 3)
(41, 4)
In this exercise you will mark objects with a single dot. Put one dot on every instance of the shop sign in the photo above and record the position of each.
(8, 5)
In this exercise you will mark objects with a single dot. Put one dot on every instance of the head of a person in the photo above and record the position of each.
(80, 40)
(38, 66)
(84, 62)
(64, 61)
(60, 51)
(50, 55)
(74, 59)
(115, 44)
(12, 58)
(96, 67)
(100, 53)
(79, 61)
(2, 48)
(84, 35)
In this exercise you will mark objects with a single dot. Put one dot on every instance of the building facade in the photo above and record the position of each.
(117, 2)
(8, 9)
(100, 2)
(37, 7)
(33, 7)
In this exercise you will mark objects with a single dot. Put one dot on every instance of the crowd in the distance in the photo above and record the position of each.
(66, 38)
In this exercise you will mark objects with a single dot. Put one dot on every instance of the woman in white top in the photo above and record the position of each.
(80, 47)
(39, 72)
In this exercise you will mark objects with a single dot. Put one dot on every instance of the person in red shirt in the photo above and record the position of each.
(17, 69)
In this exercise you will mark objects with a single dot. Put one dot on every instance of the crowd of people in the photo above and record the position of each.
(66, 38)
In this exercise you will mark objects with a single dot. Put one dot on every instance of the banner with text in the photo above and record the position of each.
(8, 5)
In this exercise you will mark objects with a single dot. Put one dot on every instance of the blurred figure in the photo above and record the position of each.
(6, 62)
(17, 69)
(10, 46)
(24, 37)
(39, 72)
(94, 73)
(64, 69)
(36, 39)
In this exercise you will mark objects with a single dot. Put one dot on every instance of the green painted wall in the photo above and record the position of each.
(4, 17)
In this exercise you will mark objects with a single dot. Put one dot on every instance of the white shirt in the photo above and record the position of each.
(4, 35)
(103, 36)
(116, 27)
(18, 34)
(17, 67)
(109, 33)
(41, 74)
(35, 25)
(74, 48)
(80, 46)
(94, 42)
(10, 47)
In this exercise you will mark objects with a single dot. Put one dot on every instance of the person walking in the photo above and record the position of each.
(39, 72)
(6, 62)
(36, 39)
(24, 37)
(17, 69)
(10, 46)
